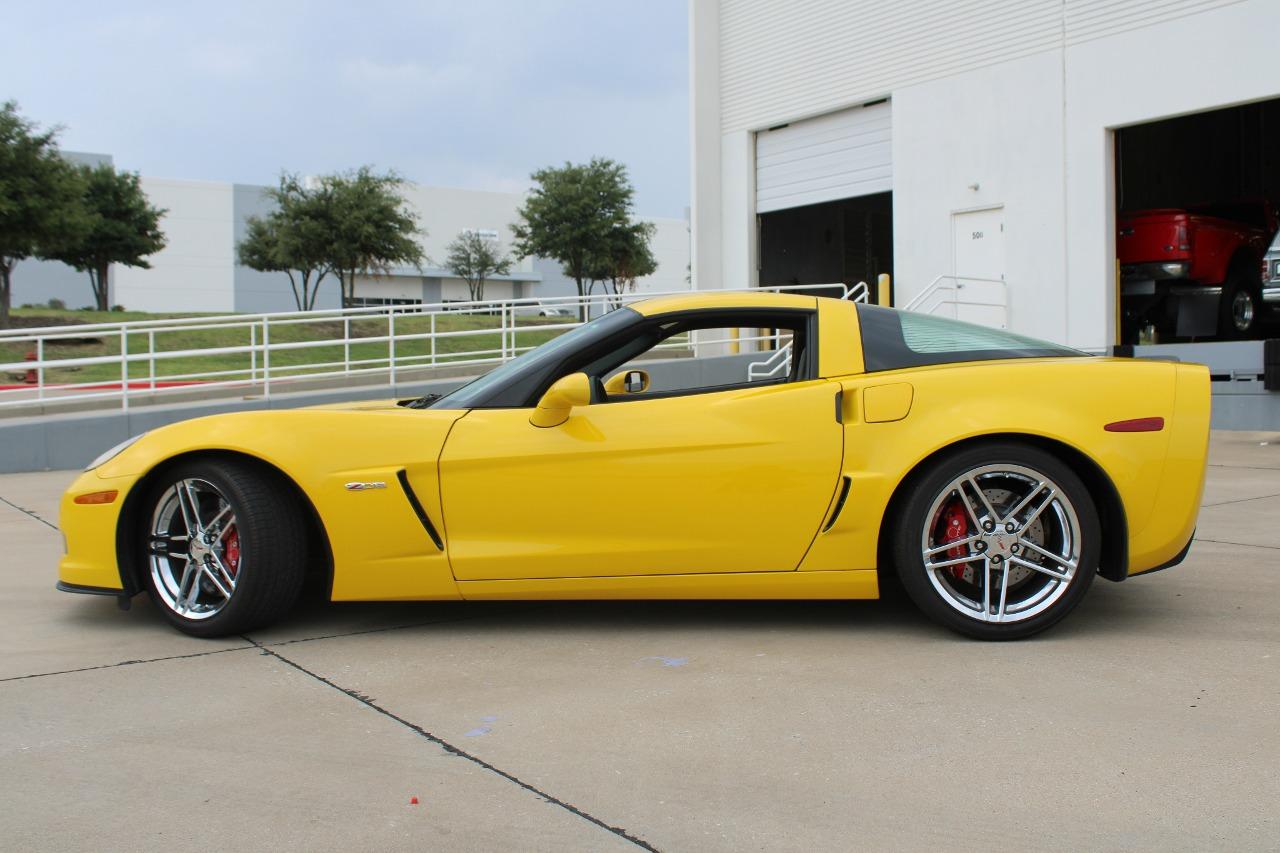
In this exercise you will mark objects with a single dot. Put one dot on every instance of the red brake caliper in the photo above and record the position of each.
(232, 551)
(957, 522)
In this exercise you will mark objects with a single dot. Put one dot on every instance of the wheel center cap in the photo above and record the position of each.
(1000, 544)
(198, 550)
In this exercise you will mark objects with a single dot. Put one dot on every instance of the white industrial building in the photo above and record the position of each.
(197, 270)
(837, 139)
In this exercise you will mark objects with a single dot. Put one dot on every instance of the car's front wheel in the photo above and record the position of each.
(998, 541)
(225, 547)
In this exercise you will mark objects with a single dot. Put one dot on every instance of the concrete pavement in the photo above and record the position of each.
(1147, 720)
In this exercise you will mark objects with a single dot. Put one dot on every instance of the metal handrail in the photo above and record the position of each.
(933, 297)
(264, 376)
(780, 360)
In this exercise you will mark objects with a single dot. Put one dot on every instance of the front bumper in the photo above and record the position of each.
(1159, 279)
(1271, 296)
(63, 586)
(90, 562)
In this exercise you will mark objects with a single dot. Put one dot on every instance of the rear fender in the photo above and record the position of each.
(1060, 402)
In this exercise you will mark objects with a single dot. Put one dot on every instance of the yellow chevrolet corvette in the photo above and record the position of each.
(701, 446)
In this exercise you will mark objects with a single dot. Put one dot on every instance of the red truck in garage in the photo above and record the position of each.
(1193, 272)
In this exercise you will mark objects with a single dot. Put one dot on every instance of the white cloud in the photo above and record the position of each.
(457, 94)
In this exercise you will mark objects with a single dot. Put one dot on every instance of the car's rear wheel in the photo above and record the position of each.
(225, 547)
(998, 541)
(1239, 307)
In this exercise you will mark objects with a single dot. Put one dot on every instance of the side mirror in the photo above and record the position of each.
(627, 382)
(554, 407)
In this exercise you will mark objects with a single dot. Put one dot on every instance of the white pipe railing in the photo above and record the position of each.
(966, 298)
(780, 360)
(271, 361)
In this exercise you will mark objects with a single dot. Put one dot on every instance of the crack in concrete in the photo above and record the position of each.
(453, 750)
(1241, 500)
(128, 663)
(471, 618)
(256, 644)
(26, 511)
(1245, 467)
(1241, 544)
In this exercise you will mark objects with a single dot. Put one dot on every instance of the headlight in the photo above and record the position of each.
(112, 453)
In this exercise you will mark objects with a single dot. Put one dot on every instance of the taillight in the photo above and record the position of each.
(1180, 238)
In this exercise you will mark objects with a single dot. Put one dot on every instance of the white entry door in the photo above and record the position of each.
(979, 266)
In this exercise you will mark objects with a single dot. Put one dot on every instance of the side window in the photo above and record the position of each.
(693, 355)
(896, 339)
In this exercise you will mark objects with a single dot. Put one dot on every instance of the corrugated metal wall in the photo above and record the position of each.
(781, 61)
(1090, 19)
(840, 155)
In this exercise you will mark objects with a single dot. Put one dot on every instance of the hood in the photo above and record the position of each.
(294, 439)
(357, 406)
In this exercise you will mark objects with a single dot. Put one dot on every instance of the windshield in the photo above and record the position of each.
(510, 385)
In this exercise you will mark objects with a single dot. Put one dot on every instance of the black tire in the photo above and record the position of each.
(940, 595)
(270, 533)
(1240, 306)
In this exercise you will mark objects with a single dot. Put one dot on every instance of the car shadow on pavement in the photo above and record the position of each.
(1108, 610)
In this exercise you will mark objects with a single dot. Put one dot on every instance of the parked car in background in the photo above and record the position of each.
(1271, 279)
(1193, 272)
(546, 309)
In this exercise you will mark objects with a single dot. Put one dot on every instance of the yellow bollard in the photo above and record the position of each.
(1119, 308)
(882, 290)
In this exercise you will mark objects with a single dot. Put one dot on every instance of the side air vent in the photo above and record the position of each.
(418, 510)
(844, 494)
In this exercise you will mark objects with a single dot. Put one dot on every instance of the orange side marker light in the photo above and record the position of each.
(97, 497)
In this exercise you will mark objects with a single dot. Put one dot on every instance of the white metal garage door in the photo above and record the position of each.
(840, 155)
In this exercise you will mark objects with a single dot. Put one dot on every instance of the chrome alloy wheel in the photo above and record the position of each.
(1001, 543)
(194, 549)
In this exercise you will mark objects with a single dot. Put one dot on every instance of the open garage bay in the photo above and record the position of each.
(1145, 721)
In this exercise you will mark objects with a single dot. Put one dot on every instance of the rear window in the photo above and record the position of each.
(895, 339)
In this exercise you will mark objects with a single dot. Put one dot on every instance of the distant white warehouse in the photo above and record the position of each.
(834, 140)
(197, 270)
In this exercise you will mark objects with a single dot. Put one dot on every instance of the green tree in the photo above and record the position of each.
(370, 226)
(292, 239)
(120, 227)
(39, 197)
(626, 257)
(572, 215)
(473, 258)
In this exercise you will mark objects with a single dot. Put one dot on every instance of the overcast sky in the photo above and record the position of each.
(470, 93)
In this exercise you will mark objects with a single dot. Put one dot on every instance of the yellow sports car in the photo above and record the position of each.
(701, 446)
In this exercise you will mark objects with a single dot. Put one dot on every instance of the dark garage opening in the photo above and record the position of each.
(844, 241)
(1224, 165)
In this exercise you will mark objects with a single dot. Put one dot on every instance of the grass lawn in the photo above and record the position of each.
(297, 362)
